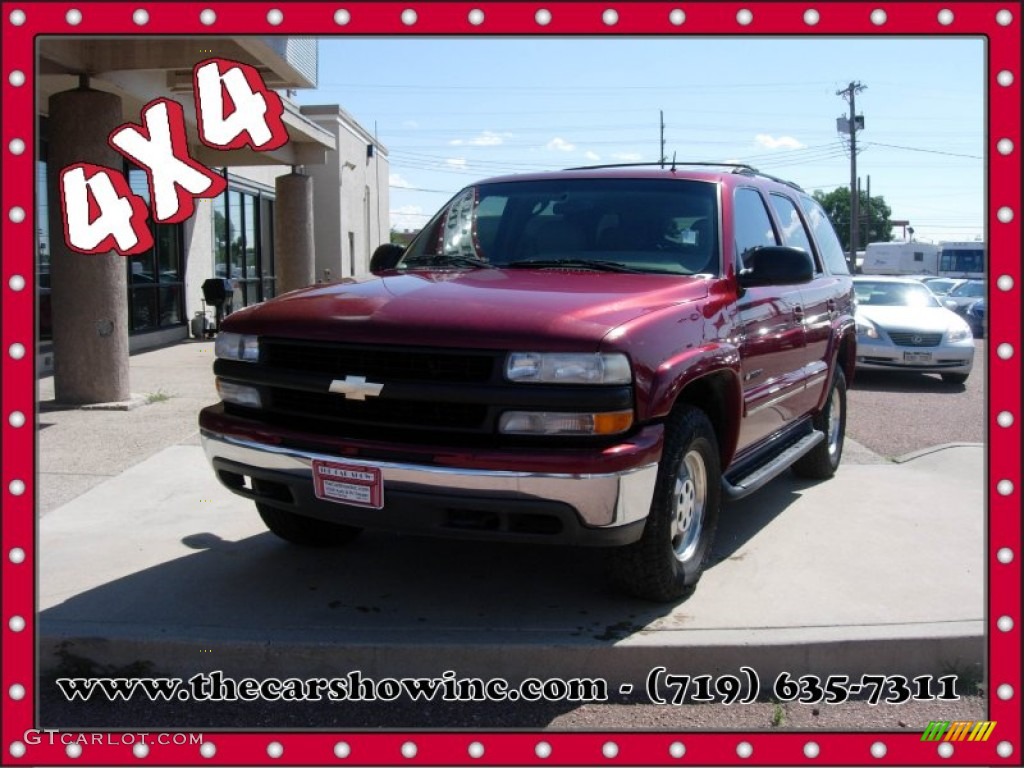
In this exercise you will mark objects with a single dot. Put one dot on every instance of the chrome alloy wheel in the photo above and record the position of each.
(691, 493)
(835, 422)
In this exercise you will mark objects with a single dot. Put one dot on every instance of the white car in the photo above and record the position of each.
(902, 326)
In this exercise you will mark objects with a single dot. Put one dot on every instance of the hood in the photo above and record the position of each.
(481, 308)
(924, 319)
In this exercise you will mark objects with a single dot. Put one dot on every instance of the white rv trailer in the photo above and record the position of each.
(901, 258)
(962, 259)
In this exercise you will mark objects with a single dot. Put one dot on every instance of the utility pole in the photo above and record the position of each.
(661, 119)
(850, 94)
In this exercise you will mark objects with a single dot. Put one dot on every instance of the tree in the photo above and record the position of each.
(875, 226)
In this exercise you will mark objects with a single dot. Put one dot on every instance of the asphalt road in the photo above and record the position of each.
(897, 413)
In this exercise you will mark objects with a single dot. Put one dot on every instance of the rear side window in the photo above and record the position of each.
(825, 236)
(751, 222)
(794, 233)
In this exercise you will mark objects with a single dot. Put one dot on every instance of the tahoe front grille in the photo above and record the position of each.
(911, 339)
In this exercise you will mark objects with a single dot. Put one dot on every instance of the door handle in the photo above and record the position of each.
(831, 305)
(798, 312)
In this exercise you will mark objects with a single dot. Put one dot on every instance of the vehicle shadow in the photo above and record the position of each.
(902, 382)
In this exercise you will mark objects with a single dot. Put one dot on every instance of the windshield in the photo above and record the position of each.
(615, 225)
(969, 290)
(893, 294)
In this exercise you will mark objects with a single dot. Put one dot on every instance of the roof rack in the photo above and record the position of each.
(743, 168)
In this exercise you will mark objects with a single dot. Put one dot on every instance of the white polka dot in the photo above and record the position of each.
(16, 419)
(542, 17)
(409, 750)
(811, 17)
(1005, 691)
(1005, 78)
(341, 18)
(610, 750)
(17, 623)
(275, 16)
(879, 17)
(140, 750)
(543, 750)
(17, 17)
(409, 17)
(1005, 214)
(342, 750)
(677, 749)
(1005, 555)
(16, 487)
(208, 16)
(878, 750)
(17, 749)
(744, 16)
(17, 214)
(677, 16)
(945, 17)
(17, 146)
(945, 750)
(141, 18)
(73, 17)
(1004, 487)
(1004, 18)
(811, 750)
(1004, 749)
(16, 555)
(16, 691)
(1004, 419)
(1005, 351)
(1005, 624)
(208, 749)
(74, 751)
(16, 283)
(744, 749)
(16, 351)
(275, 749)
(476, 750)
(1005, 283)
(610, 17)
(16, 78)
(476, 17)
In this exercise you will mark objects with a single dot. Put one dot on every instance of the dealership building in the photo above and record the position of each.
(312, 210)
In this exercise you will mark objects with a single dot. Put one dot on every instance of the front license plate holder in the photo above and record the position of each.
(354, 484)
(917, 357)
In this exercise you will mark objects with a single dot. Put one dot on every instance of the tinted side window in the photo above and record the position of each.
(751, 222)
(794, 233)
(825, 236)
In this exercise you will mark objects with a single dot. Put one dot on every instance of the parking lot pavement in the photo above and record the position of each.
(880, 570)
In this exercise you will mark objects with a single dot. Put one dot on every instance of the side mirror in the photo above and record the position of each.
(776, 265)
(385, 257)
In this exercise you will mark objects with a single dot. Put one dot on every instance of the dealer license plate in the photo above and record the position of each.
(917, 357)
(353, 484)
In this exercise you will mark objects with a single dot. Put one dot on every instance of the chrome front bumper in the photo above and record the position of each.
(601, 501)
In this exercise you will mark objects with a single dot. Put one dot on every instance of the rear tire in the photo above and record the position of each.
(823, 460)
(955, 378)
(669, 559)
(305, 531)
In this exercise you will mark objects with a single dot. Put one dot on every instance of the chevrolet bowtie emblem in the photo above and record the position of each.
(355, 387)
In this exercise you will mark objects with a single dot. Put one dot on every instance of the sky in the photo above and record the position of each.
(451, 111)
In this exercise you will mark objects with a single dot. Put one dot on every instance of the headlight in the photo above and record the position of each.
(959, 332)
(866, 328)
(235, 346)
(542, 423)
(568, 368)
(239, 394)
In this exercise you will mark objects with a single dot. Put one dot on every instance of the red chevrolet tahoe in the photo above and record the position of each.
(589, 357)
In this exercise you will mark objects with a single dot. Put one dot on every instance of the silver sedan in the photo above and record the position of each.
(902, 326)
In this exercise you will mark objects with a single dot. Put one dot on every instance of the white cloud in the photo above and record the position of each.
(628, 157)
(456, 162)
(560, 145)
(782, 142)
(394, 180)
(408, 217)
(485, 139)
(591, 156)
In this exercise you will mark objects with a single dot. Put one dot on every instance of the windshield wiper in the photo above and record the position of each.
(450, 260)
(595, 264)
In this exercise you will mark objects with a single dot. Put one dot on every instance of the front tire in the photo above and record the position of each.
(670, 557)
(305, 531)
(823, 460)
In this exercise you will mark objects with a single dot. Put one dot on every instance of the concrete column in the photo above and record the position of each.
(88, 292)
(294, 252)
